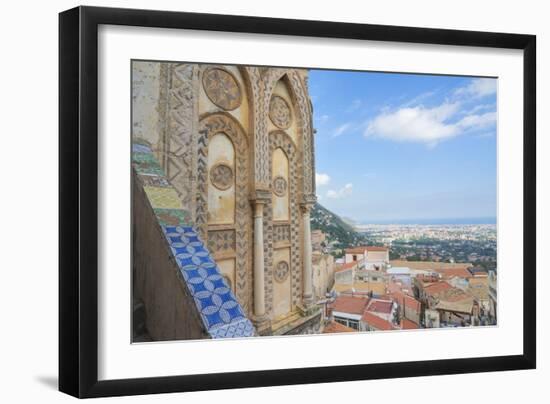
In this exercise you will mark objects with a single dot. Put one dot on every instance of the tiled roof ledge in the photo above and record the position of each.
(221, 314)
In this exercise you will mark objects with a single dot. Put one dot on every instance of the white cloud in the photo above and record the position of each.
(426, 125)
(341, 193)
(322, 179)
(478, 88)
(418, 124)
(340, 130)
(479, 107)
(478, 121)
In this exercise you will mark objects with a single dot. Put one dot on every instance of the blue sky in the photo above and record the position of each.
(396, 147)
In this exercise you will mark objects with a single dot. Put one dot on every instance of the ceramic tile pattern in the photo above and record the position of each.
(173, 217)
(220, 312)
(162, 197)
(218, 307)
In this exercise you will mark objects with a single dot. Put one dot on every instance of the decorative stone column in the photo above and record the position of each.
(307, 273)
(260, 317)
(259, 281)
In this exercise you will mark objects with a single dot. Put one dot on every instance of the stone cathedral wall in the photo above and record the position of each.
(229, 138)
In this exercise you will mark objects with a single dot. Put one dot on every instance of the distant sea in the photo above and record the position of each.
(471, 220)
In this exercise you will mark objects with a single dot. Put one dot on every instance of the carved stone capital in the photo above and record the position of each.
(260, 195)
(305, 208)
(309, 199)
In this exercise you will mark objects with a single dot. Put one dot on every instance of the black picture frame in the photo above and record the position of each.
(78, 200)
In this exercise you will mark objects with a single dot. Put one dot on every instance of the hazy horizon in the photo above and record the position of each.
(433, 221)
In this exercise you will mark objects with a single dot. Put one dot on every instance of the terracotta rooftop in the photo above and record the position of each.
(377, 322)
(450, 272)
(350, 304)
(407, 324)
(409, 301)
(461, 306)
(334, 327)
(358, 287)
(380, 306)
(434, 289)
(347, 266)
(454, 295)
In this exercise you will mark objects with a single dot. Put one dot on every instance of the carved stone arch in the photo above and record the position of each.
(279, 139)
(303, 111)
(210, 125)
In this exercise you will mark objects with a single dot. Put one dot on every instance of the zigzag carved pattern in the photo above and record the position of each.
(208, 127)
(180, 137)
(261, 172)
(305, 124)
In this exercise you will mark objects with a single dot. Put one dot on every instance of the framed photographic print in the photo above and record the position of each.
(250, 201)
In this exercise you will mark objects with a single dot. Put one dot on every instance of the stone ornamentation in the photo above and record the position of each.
(221, 240)
(281, 233)
(208, 127)
(221, 176)
(279, 112)
(222, 88)
(282, 140)
(281, 271)
(280, 186)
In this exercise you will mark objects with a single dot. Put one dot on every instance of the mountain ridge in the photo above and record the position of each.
(336, 229)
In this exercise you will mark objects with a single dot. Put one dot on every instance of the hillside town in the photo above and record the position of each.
(366, 291)
(464, 243)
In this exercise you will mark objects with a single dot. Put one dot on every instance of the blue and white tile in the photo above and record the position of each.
(215, 302)
(237, 329)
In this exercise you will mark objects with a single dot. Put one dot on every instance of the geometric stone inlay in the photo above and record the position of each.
(279, 112)
(279, 186)
(281, 271)
(222, 88)
(221, 240)
(221, 176)
(281, 233)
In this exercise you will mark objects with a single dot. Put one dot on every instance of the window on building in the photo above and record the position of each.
(355, 257)
(342, 321)
(353, 324)
(347, 322)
